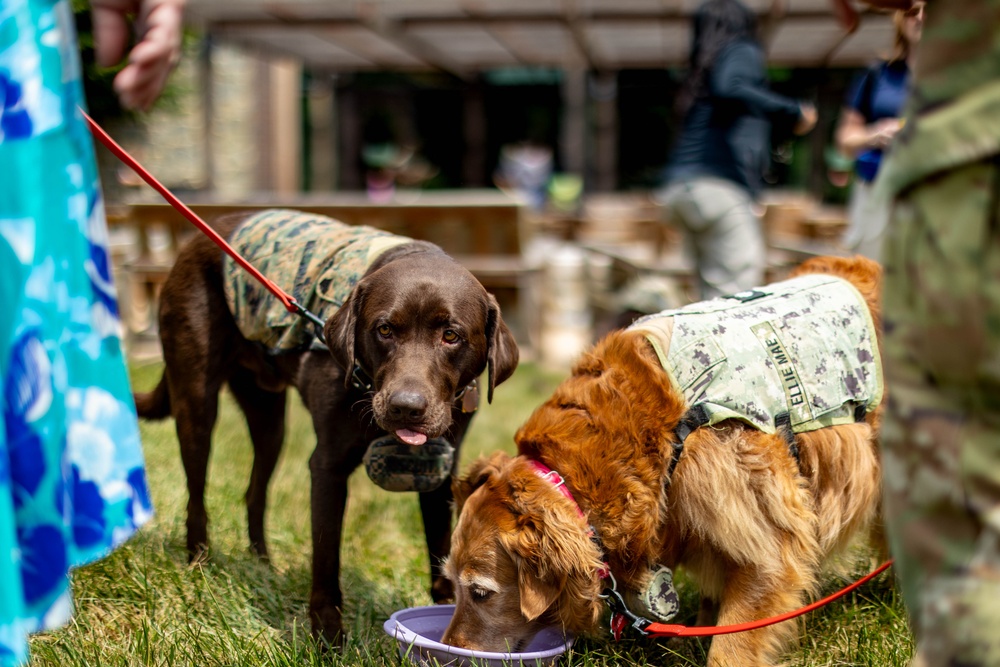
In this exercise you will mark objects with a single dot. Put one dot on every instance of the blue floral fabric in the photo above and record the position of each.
(72, 476)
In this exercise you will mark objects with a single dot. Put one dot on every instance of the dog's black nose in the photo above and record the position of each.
(407, 405)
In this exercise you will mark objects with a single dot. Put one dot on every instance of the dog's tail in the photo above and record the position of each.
(154, 404)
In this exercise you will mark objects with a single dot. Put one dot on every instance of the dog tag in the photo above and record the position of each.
(618, 622)
(470, 398)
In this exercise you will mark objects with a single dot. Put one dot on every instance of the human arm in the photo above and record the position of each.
(854, 135)
(158, 30)
(739, 76)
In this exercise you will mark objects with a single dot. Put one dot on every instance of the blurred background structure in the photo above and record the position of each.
(401, 113)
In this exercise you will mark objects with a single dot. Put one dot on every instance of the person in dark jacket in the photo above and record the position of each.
(717, 166)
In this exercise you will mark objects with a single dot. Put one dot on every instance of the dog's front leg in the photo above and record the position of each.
(750, 595)
(435, 507)
(328, 500)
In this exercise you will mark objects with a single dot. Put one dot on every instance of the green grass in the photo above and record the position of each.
(144, 605)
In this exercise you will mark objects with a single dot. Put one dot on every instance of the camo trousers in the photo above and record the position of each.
(941, 436)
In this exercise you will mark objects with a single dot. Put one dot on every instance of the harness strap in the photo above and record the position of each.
(783, 425)
(693, 419)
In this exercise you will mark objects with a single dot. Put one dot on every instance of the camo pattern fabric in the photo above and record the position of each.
(316, 259)
(396, 466)
(941, 433)
(804, 347)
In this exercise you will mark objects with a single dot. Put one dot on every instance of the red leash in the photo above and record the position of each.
(665, 630)
(286, 299)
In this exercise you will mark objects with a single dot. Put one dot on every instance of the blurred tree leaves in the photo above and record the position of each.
(102, 102)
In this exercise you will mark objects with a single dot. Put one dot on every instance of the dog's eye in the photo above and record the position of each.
(384, 330)
(480, 594)
(449, 336)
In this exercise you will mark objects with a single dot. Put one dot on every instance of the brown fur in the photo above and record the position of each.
(749, 524)
(415, 289)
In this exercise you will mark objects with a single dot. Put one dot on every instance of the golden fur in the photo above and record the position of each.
(749, 523)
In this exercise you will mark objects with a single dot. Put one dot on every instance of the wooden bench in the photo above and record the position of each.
(482, 229)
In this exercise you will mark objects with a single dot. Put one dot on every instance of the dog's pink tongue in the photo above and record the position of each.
(411, 437)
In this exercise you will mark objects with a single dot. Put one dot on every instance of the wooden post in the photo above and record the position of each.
(605, 94)
(286, 116)
(573, 139)
(349, 154)
(322, 134)
(474, 128)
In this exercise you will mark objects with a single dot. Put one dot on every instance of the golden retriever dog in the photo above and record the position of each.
(752, 516)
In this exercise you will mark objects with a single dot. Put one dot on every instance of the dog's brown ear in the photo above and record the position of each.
(555, 558)
(501, 348)
(536, 595)
(339, 332)
(478, 472)
(539, 576)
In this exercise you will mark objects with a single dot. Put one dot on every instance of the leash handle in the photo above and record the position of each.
(665, 630)
(287, 300)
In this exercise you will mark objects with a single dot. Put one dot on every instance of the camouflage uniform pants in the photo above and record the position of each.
(941, 437)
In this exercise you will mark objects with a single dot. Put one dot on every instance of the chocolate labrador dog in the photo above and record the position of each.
(405, 349)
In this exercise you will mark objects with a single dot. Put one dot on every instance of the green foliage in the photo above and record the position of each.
(102, 101)
(144, 605)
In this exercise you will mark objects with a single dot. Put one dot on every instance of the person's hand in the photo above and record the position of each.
(807, 118)
(158, 34)
(883, 132)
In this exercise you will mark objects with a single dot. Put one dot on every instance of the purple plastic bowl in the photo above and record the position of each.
(418, 630)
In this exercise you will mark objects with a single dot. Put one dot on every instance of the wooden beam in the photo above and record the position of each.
(396, 33)
(585, 50)
(772, 21)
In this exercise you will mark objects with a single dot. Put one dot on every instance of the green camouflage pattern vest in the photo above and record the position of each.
(316, 259)
(801, 353)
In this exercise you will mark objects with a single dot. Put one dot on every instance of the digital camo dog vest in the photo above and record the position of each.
(801, 353)
(316, 259)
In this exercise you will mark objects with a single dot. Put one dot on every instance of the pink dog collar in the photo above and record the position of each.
(557, 480)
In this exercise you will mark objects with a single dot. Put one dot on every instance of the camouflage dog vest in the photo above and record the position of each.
(802, 353)
(316, 259)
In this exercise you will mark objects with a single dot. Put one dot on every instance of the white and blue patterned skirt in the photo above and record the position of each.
(72, 477)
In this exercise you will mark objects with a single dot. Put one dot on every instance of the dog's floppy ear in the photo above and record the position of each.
(540, 572)
(501, 348)
(339, 332)
(555, 557)
(475, 476)
(536, 594)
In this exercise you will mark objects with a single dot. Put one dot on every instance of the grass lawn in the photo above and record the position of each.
(144, 605)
